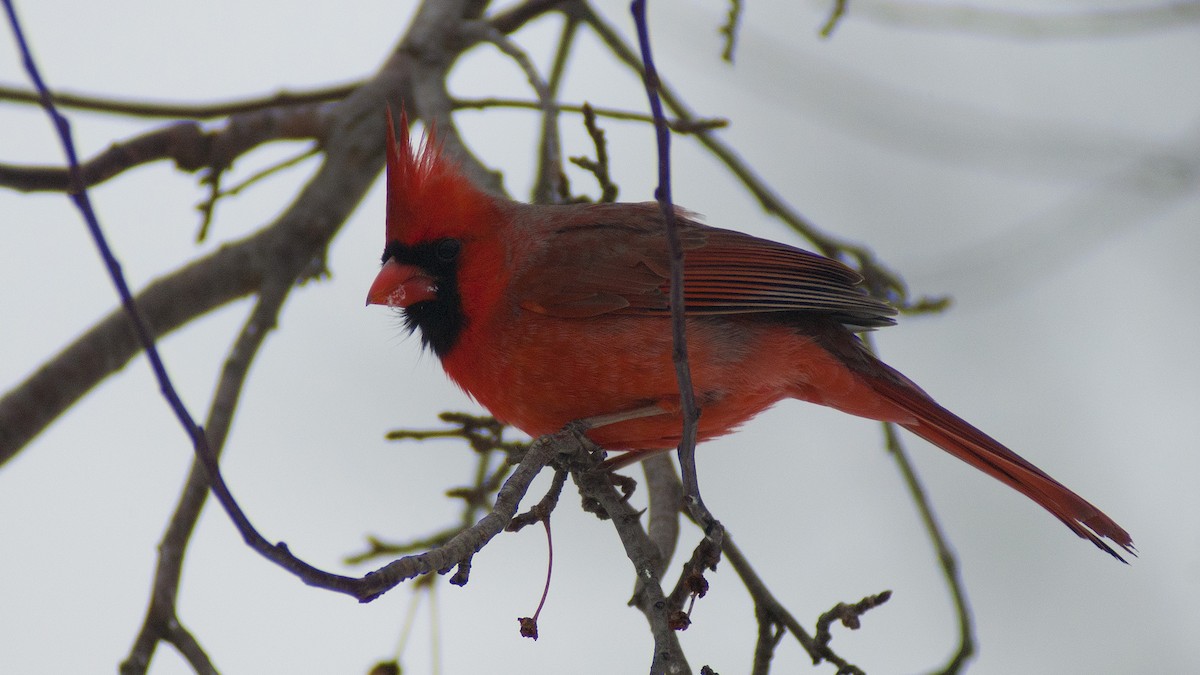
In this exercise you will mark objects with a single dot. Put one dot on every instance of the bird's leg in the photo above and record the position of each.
(631, 456)
(623, 416)
(579, 429)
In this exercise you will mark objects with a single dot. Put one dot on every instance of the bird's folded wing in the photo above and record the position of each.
(600, 265)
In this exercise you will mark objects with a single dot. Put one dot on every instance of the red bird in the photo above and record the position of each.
(549, 314)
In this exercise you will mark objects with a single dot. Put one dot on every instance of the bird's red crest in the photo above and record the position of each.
(427, 194)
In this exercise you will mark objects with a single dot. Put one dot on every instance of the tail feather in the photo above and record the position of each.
(954, 435)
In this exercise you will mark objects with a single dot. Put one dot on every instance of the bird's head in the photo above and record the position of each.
(435, 217)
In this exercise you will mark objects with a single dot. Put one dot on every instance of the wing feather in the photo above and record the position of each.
(613, 258)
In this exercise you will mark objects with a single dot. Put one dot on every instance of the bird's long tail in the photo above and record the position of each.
(954, 435)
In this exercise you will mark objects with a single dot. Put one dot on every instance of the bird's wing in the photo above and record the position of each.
(614, 259)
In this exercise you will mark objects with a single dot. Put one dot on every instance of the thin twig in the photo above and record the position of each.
(483, 31)
(882, 282)
(551, 184)
(599, 166)
(513, 18)
(768, 609)
(542, 510)
(729, 29)
(507, 22)
(1089, 21)
(457, 552)
(679, 126)
(208, 206)
(436, 17)
(683, 373)
(161, 613)
(770, 634)
(170, 629)
(189, 111)
(848, 614)
(945, 554)
(836, 12)
(79, 196)
(485, 435)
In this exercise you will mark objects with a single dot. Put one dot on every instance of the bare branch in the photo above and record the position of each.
(665, 494)
(1029, 25)
(551, 184)
(482, 31)
(848, 615)
(79, 197)
(191, 111)
(683, 372)
(729, 29)
(881, 281)
(770, 634)
(773, 616)
(679, 126)
(186, 143)
(548, 186)
(946, 557)
(208, 206)
(161, 622)
(227, 274)
(458, 552)
(599, 166)
(511, 20)
(541, 512)
(646, 560)
(836, 12)
(189, 648)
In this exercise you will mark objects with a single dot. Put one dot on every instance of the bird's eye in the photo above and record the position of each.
(447, 249)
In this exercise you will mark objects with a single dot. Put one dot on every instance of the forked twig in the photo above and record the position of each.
(161, 617)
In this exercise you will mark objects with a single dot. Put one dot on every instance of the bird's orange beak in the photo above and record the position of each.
(400, 285)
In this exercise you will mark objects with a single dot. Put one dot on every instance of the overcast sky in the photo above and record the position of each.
(1046, 180)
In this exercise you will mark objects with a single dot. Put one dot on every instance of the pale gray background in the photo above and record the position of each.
(1048, 183)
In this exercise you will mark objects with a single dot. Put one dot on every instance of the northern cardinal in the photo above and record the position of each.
(547, 314)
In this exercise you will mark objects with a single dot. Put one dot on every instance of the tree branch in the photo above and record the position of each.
(348, 122)
(161, 615)
(947, 560)
(186, 143)
(708, 551)
(645, 556)
(678, 125)
(1029, 25)
(191, 111)
(665, 496)
(550, 186)
(881, 281)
